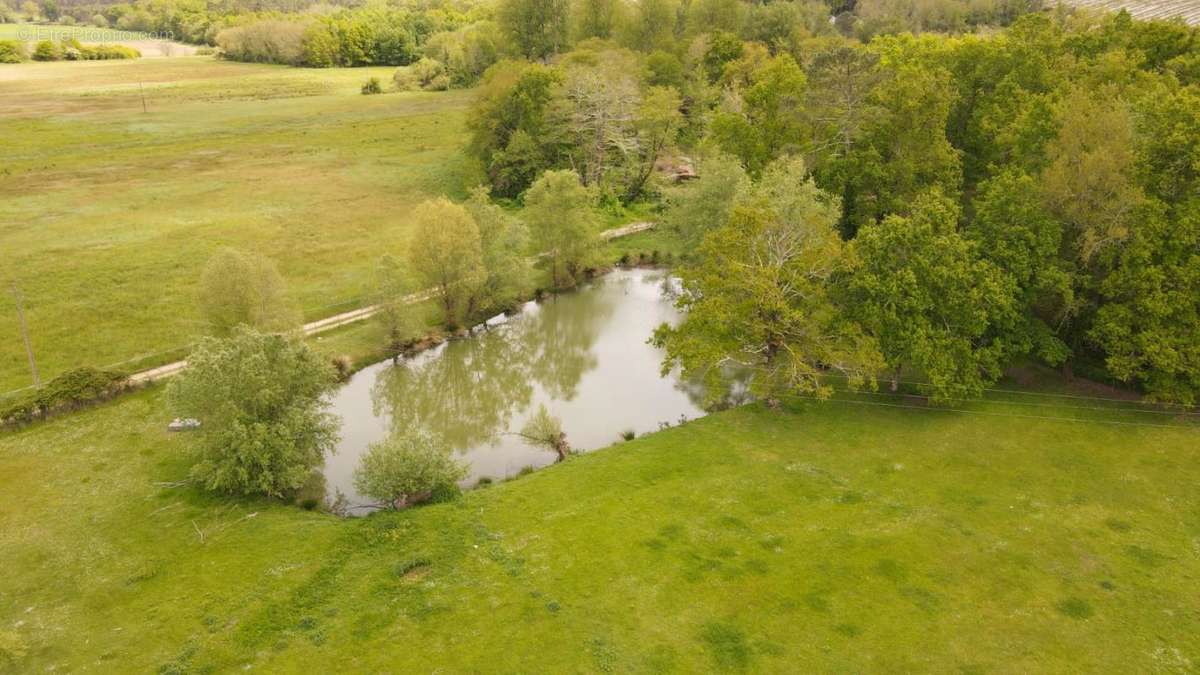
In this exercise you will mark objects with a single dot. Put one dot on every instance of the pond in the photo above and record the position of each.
(584, 355)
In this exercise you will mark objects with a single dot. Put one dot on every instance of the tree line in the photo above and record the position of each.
(1028, 195)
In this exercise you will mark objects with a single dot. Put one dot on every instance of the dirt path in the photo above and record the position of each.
(362, 313)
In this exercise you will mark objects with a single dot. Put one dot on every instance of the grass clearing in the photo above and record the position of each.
(108, 214)
(828, 537)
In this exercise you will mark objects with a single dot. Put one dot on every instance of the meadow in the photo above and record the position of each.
(841, 536)
(108, 213)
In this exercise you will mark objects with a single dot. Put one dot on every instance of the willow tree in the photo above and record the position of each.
(558, 209)
(446, 254)
(261, 400)
(239, 288)
(758, 296)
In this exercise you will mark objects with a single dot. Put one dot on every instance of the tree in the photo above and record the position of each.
(1149, 324)
(545, 431)
(239, 288)
(395, 314)
(1015, 232)
(767, 120)
(1088, 183)
(917, 286)
(558, 209)
(446, 255)
(842, 78)
(506, 118)
(537, 29)
(698, 206)
(903, 152)
(597, 18)
(504, 244)
(652, 25)
(261, 401)
(405, 468)
(602, 104)
(758, 296)
(657, 124)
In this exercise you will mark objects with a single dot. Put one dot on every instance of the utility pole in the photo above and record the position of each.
(37, 379)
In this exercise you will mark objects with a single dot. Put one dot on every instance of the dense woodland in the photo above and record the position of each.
(925, 206)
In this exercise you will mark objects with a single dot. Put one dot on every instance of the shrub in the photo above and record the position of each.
(12, 51)
(269, 41)
(108, 52)
(406, 468)
(344, 367)
(628, 435)
(372, 86)
(46, 50)
(72, 390)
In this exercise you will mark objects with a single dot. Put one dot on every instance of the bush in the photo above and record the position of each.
(107, 52)
(270, 41)
(372, 86)
(407, 468)
(72, 390)
(426, 74)
(46, 50)
(344, 366)
(12, 51)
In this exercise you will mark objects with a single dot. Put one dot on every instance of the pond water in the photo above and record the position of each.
(584, 355)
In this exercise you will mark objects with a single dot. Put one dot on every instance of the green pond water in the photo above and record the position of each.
(583, 354)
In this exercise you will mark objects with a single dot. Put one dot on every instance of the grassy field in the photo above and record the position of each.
(843, 537)
(108, 213)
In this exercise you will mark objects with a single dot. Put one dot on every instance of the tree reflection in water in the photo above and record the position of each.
(467, 391)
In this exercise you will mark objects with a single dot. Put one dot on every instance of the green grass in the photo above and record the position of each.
(108, 214)
(827, 537)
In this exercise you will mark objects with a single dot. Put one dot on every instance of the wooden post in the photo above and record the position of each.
(37, 379)
(143, 93)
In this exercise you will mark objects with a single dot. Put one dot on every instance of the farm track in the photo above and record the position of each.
(360, 314)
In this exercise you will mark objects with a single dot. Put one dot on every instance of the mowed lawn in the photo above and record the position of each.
(108, 213)
(837, 537)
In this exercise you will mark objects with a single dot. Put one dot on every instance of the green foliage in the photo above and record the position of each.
(545, 431)
(467, 52)
(509, 113)
(269, 41)
(46, 50)
(12, 51)
(536, 29)
(758, 295)
(445, 254)
(261, 402)
(918, 287)
(397, 316)
(558, 210)
(767, 121)
(372, 86)
(504, 242)
(239, 288)
(405, 468)
(700, 205)
(1148, 323)
(73, 390)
